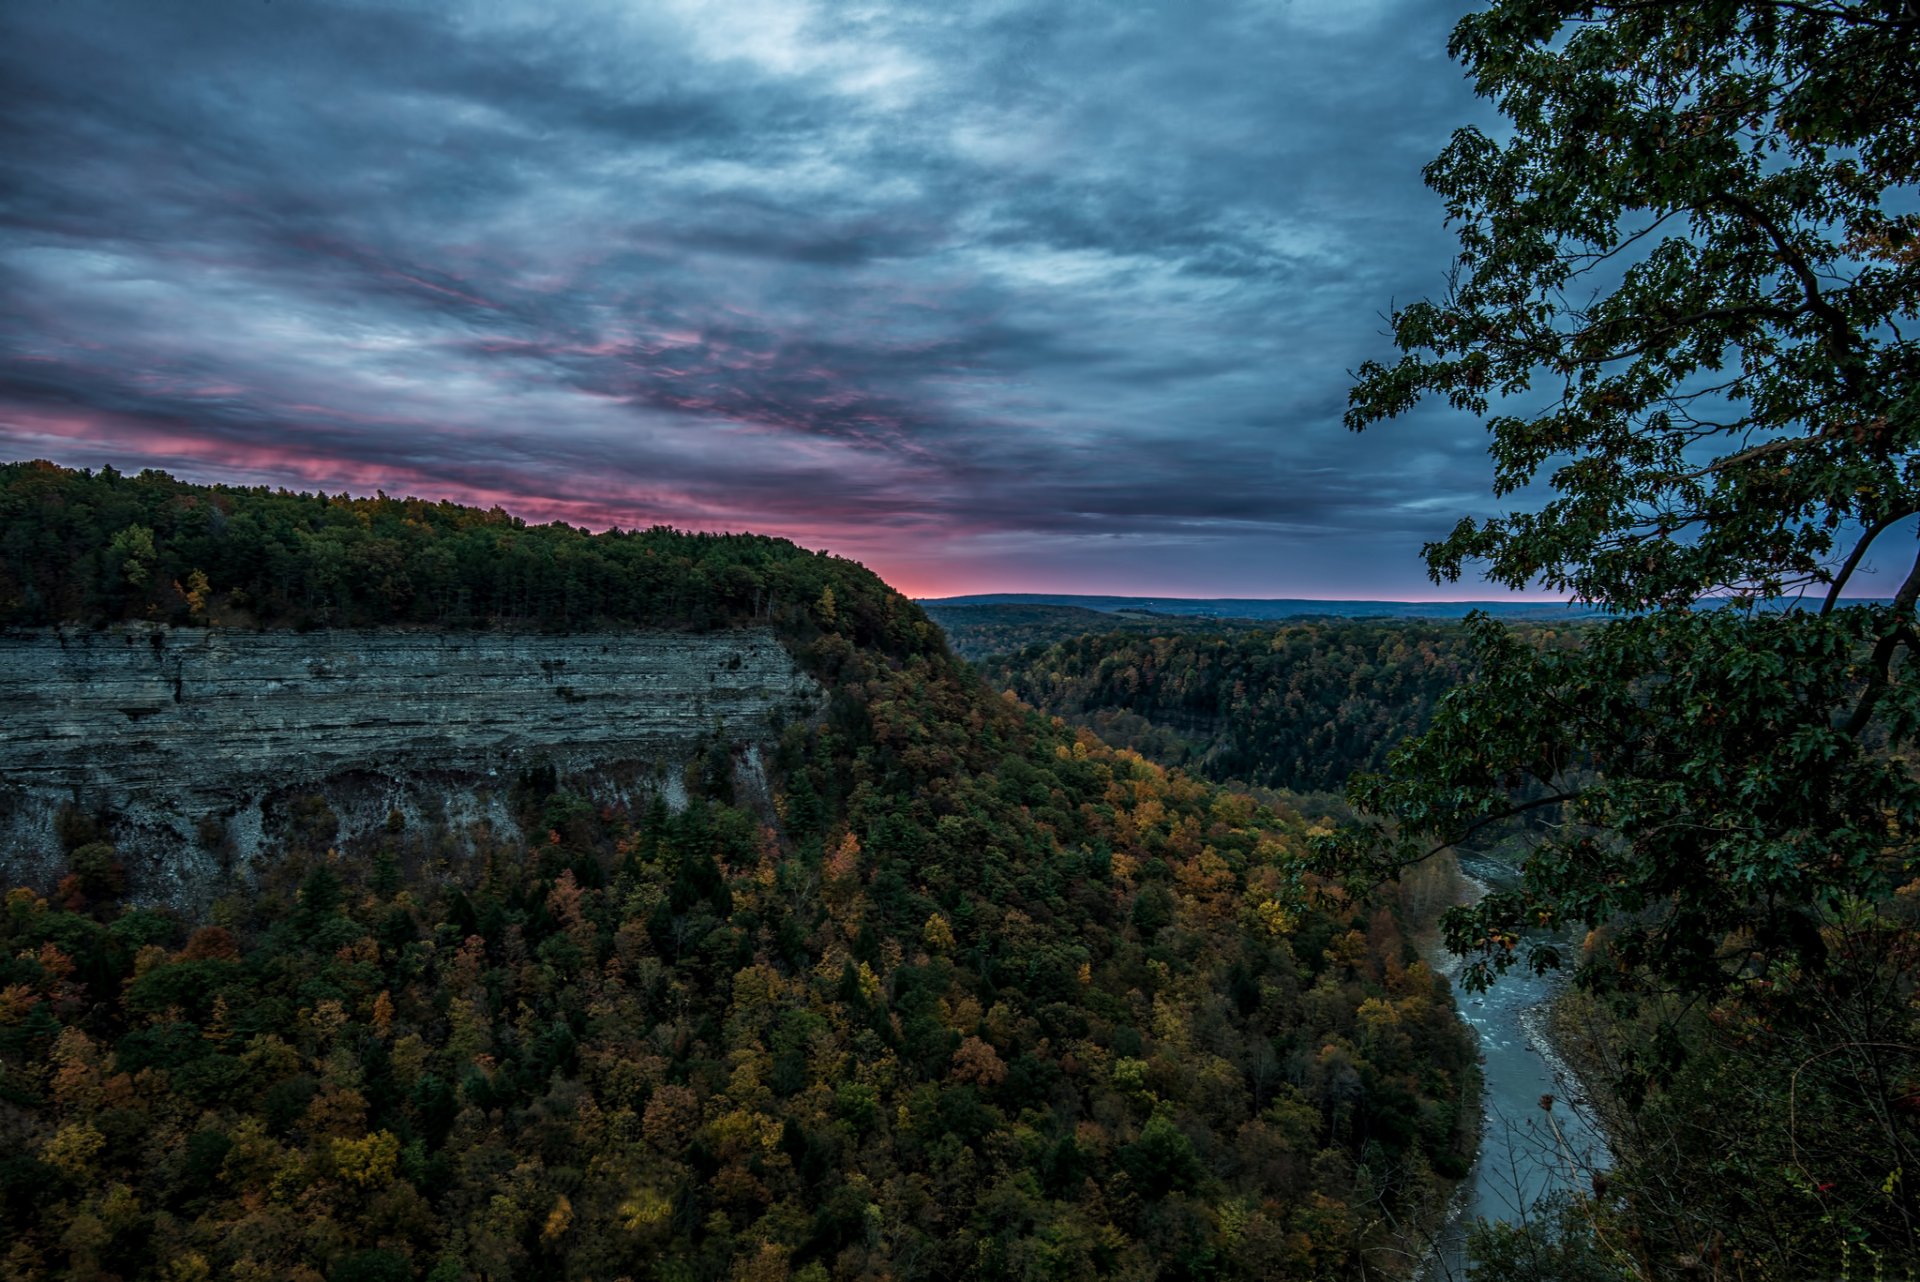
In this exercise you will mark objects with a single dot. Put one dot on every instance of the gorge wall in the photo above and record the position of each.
(194, 745)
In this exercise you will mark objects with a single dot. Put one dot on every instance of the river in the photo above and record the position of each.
(1525, 1152)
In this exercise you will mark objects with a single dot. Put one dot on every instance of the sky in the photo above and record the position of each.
(1032, 295)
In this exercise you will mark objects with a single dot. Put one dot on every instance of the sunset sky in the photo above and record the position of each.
(1019, 296)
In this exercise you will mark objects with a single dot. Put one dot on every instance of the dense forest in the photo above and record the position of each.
(984, 631)
(95, 547)
(978, 996)
(1298, 707)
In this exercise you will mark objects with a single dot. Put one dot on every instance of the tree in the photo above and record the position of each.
(132, 554)
(1696, 247)
(1684, 272)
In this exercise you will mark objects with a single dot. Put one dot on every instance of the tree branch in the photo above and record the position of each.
(1680, 326)
(1840, 340)
(1842, 14)
(1882, 661)
(1853, 559)
(1509, 813)
(1748, 455)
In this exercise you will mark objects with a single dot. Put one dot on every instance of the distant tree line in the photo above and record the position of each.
(1299, 707)
(101, 547)
(984, 631)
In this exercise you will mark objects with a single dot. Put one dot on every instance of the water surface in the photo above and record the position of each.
(1526, 1152)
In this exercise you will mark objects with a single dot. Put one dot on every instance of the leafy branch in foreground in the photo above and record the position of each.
(1705, 803)
(1695, 239)
(1684, 269)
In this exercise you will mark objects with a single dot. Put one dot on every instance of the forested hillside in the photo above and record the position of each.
(1298, 707)
(983, 631)
(975, 995)
(97, 547)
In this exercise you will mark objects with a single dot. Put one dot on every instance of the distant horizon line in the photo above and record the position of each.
(1512, 599)
(982, 598)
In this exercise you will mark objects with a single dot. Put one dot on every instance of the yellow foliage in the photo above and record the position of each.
(1375, 1014)
(72, 1149)
(750, 1067)
(328, 1017)
(1235, 809)
(470, 1033)
(559, 1220)
(757, 987)
(270, 1057)
(1170, 1023)
(368, 1162)
(16, 1002)
(219, 1027)
(196, 591)
(1277, 917)
(744, 1129)
(1130, 1076)
(1234, 1215)
(504, 1217)
(1149, 814)
(938, 932)
(645, 1209)
(191, 1267)
(1204, 874)
(22, 902)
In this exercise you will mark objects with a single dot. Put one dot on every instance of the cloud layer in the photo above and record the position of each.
(1029, 295)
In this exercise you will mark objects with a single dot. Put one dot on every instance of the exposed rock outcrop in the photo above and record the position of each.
(193, 741)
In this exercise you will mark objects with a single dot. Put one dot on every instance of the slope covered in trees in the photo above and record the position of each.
(984, 631)
(975, 995)
(1298, 707)
(98, 547)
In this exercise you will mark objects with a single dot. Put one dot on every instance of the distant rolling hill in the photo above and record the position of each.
(977, 631)
(1003, 623)
(1271, 608)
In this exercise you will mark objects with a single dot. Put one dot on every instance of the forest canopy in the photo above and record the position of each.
(969, 994)
(100, 547)
(1299, 707)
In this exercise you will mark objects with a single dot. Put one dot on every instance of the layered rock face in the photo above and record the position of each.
(190, 741)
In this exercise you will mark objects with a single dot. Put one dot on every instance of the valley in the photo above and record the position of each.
(1239, 700)
(828, 963)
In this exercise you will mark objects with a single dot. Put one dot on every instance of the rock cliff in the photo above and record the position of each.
(192, 743)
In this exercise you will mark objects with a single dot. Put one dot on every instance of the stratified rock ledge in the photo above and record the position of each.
(188, 739)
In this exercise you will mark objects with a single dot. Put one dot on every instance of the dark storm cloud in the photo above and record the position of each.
(1018, 294)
